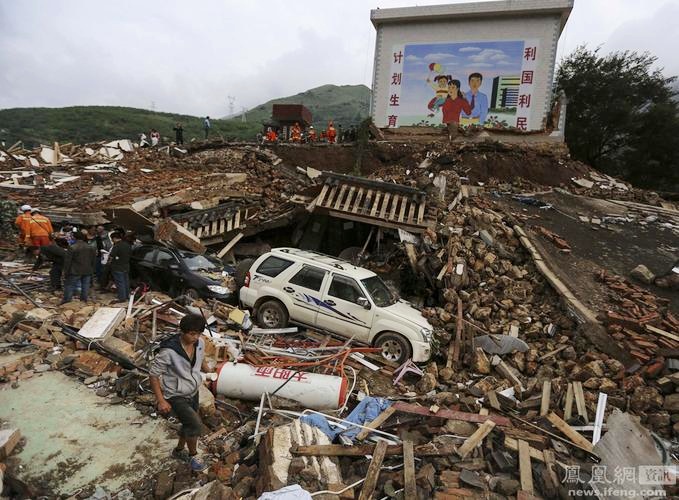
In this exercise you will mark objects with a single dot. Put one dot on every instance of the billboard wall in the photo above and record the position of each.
(487, 84)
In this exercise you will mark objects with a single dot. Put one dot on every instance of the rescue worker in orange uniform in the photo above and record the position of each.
(295, 133)
(22, 222)
(39, 229)
(332, 133)
(271, 135)
(311, 137)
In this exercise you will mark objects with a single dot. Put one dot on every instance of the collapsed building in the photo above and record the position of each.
(547, 353)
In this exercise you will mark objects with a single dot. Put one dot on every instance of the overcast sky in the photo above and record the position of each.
(187, 57)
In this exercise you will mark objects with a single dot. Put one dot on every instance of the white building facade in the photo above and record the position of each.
(487, 64)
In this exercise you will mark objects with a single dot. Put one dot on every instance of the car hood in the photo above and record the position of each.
(408, 313)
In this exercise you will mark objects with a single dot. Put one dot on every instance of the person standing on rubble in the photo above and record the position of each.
(178, 134)
(39, 229)
(119, 259)
(206, 126)
(55, 252)
(175, 381)
(79, 266)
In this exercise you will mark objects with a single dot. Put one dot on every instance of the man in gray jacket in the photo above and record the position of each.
(175, 381)
(79, 264)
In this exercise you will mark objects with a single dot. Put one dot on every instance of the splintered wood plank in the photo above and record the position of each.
(322, 194)
(229, 225)
(357, 202)
(475, 439)
(338, 202)
(411, 212)
(580, 400)
(199, 233)
(376, 204)
(568, 407)
(350, 196)
(420, 213)
(409, 470)
(525, 470)
(546, 395)
(394, 204)
(385, 203)
(373, 472)
(569, 432)
(366, 203)
(379, 420)
(222, 225)
(404, 202)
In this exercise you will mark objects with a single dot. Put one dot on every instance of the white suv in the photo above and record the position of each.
(316, 290)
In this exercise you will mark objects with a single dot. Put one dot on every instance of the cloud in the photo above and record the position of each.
(483, 65)
(436, 56)
(469, 49)
(413, 58)
(488, 55)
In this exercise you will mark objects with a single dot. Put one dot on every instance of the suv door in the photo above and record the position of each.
(341, 312)
(304, 288)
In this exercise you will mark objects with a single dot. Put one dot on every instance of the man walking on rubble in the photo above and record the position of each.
(206, 126)
(175, 380)
(78, 268)
(119, 258)
(39, 229)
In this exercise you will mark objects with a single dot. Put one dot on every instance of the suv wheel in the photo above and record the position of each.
(395, 347)
(272, 314)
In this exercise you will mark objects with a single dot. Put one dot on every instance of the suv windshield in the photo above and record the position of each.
(380, 293)
(197, 262)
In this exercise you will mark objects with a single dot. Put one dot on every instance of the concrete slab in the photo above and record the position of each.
(75, 439)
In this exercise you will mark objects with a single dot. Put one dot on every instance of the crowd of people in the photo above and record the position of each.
(297, 134)
(79, 257)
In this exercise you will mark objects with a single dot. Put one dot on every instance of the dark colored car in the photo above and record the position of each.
(176, 272)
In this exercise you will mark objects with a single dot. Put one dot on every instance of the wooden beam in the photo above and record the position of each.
(513, 444)
(394, 204)
(476, 438)
(385, 204)
(373, 472)
(525, 470)
(338, 202)
(420, 213)
(357, 201)
(457, 344)
(376, 204)
(411, 212)
(379, 420)
(409, 470)
(404, 202)
(340, 450)
(580, 400)
(230, 245)
(328, 201)
(546, 395)
(451, 414)
(365, 209)
(568, 408)
(566, 430)
(347, 202)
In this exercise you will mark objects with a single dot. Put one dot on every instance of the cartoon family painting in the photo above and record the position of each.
(469, 108)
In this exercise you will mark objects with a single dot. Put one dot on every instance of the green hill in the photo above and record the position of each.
(346, 104)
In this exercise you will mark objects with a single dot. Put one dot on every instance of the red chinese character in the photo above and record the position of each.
(282, 373)
(529, 53)
(398, 56)
(522, 123)
(264, 371)
(524, 101)
(393, 100)
(527, 77)
(396, 79)
(300, 377)
(391, 120)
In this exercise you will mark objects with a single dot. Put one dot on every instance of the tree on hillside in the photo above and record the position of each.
(622, 117)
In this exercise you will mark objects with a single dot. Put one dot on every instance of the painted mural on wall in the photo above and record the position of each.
(488, 84)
